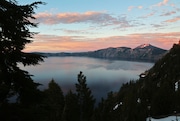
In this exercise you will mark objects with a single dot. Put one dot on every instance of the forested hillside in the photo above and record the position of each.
(155, 94)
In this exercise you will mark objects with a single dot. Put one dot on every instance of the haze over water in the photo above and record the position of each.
(102, 75)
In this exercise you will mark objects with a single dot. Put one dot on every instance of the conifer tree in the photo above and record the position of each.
(71, 109)
(54, 101)
(14, 35)
(86, 99)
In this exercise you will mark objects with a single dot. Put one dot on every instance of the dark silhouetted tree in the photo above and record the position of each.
(86, 99)
(105, 110)
(71, 110)
(54, 101)
(16, 83)
(14, 35)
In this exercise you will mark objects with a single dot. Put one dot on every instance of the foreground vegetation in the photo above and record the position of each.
(155, 94)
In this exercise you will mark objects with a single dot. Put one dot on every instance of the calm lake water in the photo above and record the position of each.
(102, 75)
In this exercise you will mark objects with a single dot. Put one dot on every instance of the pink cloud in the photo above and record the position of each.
(78, 31)
(49, 43)
(132, 7)
(140, 7)
(164, 2)
(93, 17)
(173, 20)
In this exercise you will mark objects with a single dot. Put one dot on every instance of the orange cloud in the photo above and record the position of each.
(49, 43)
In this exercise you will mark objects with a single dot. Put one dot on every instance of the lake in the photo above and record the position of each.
(102, 75)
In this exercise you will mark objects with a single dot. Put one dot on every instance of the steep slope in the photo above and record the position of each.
(167, 68)
(162, 82)
(155, 94)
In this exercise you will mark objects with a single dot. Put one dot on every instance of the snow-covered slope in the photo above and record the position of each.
(169, 118)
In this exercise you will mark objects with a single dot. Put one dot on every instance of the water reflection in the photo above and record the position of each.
(102, 75)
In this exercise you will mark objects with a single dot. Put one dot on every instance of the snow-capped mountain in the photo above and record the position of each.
(146, 46)
(143, 46)
(144, 52)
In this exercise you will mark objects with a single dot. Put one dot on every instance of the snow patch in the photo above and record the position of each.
(169, 118)
(143, 45)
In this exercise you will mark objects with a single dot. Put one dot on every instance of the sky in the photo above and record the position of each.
(88, 25)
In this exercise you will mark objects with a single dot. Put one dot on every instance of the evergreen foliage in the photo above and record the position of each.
(157, 94)
(162, 78)
(105, 110)
(54, 101)
(86, 99)
(14, 35)
(16, 84)
(71, 110)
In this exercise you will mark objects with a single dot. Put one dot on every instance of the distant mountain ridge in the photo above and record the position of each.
(144, 52)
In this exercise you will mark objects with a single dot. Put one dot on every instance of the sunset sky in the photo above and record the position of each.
(86, 25)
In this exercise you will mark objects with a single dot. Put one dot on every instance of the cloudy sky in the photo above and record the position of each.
(86, 25)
